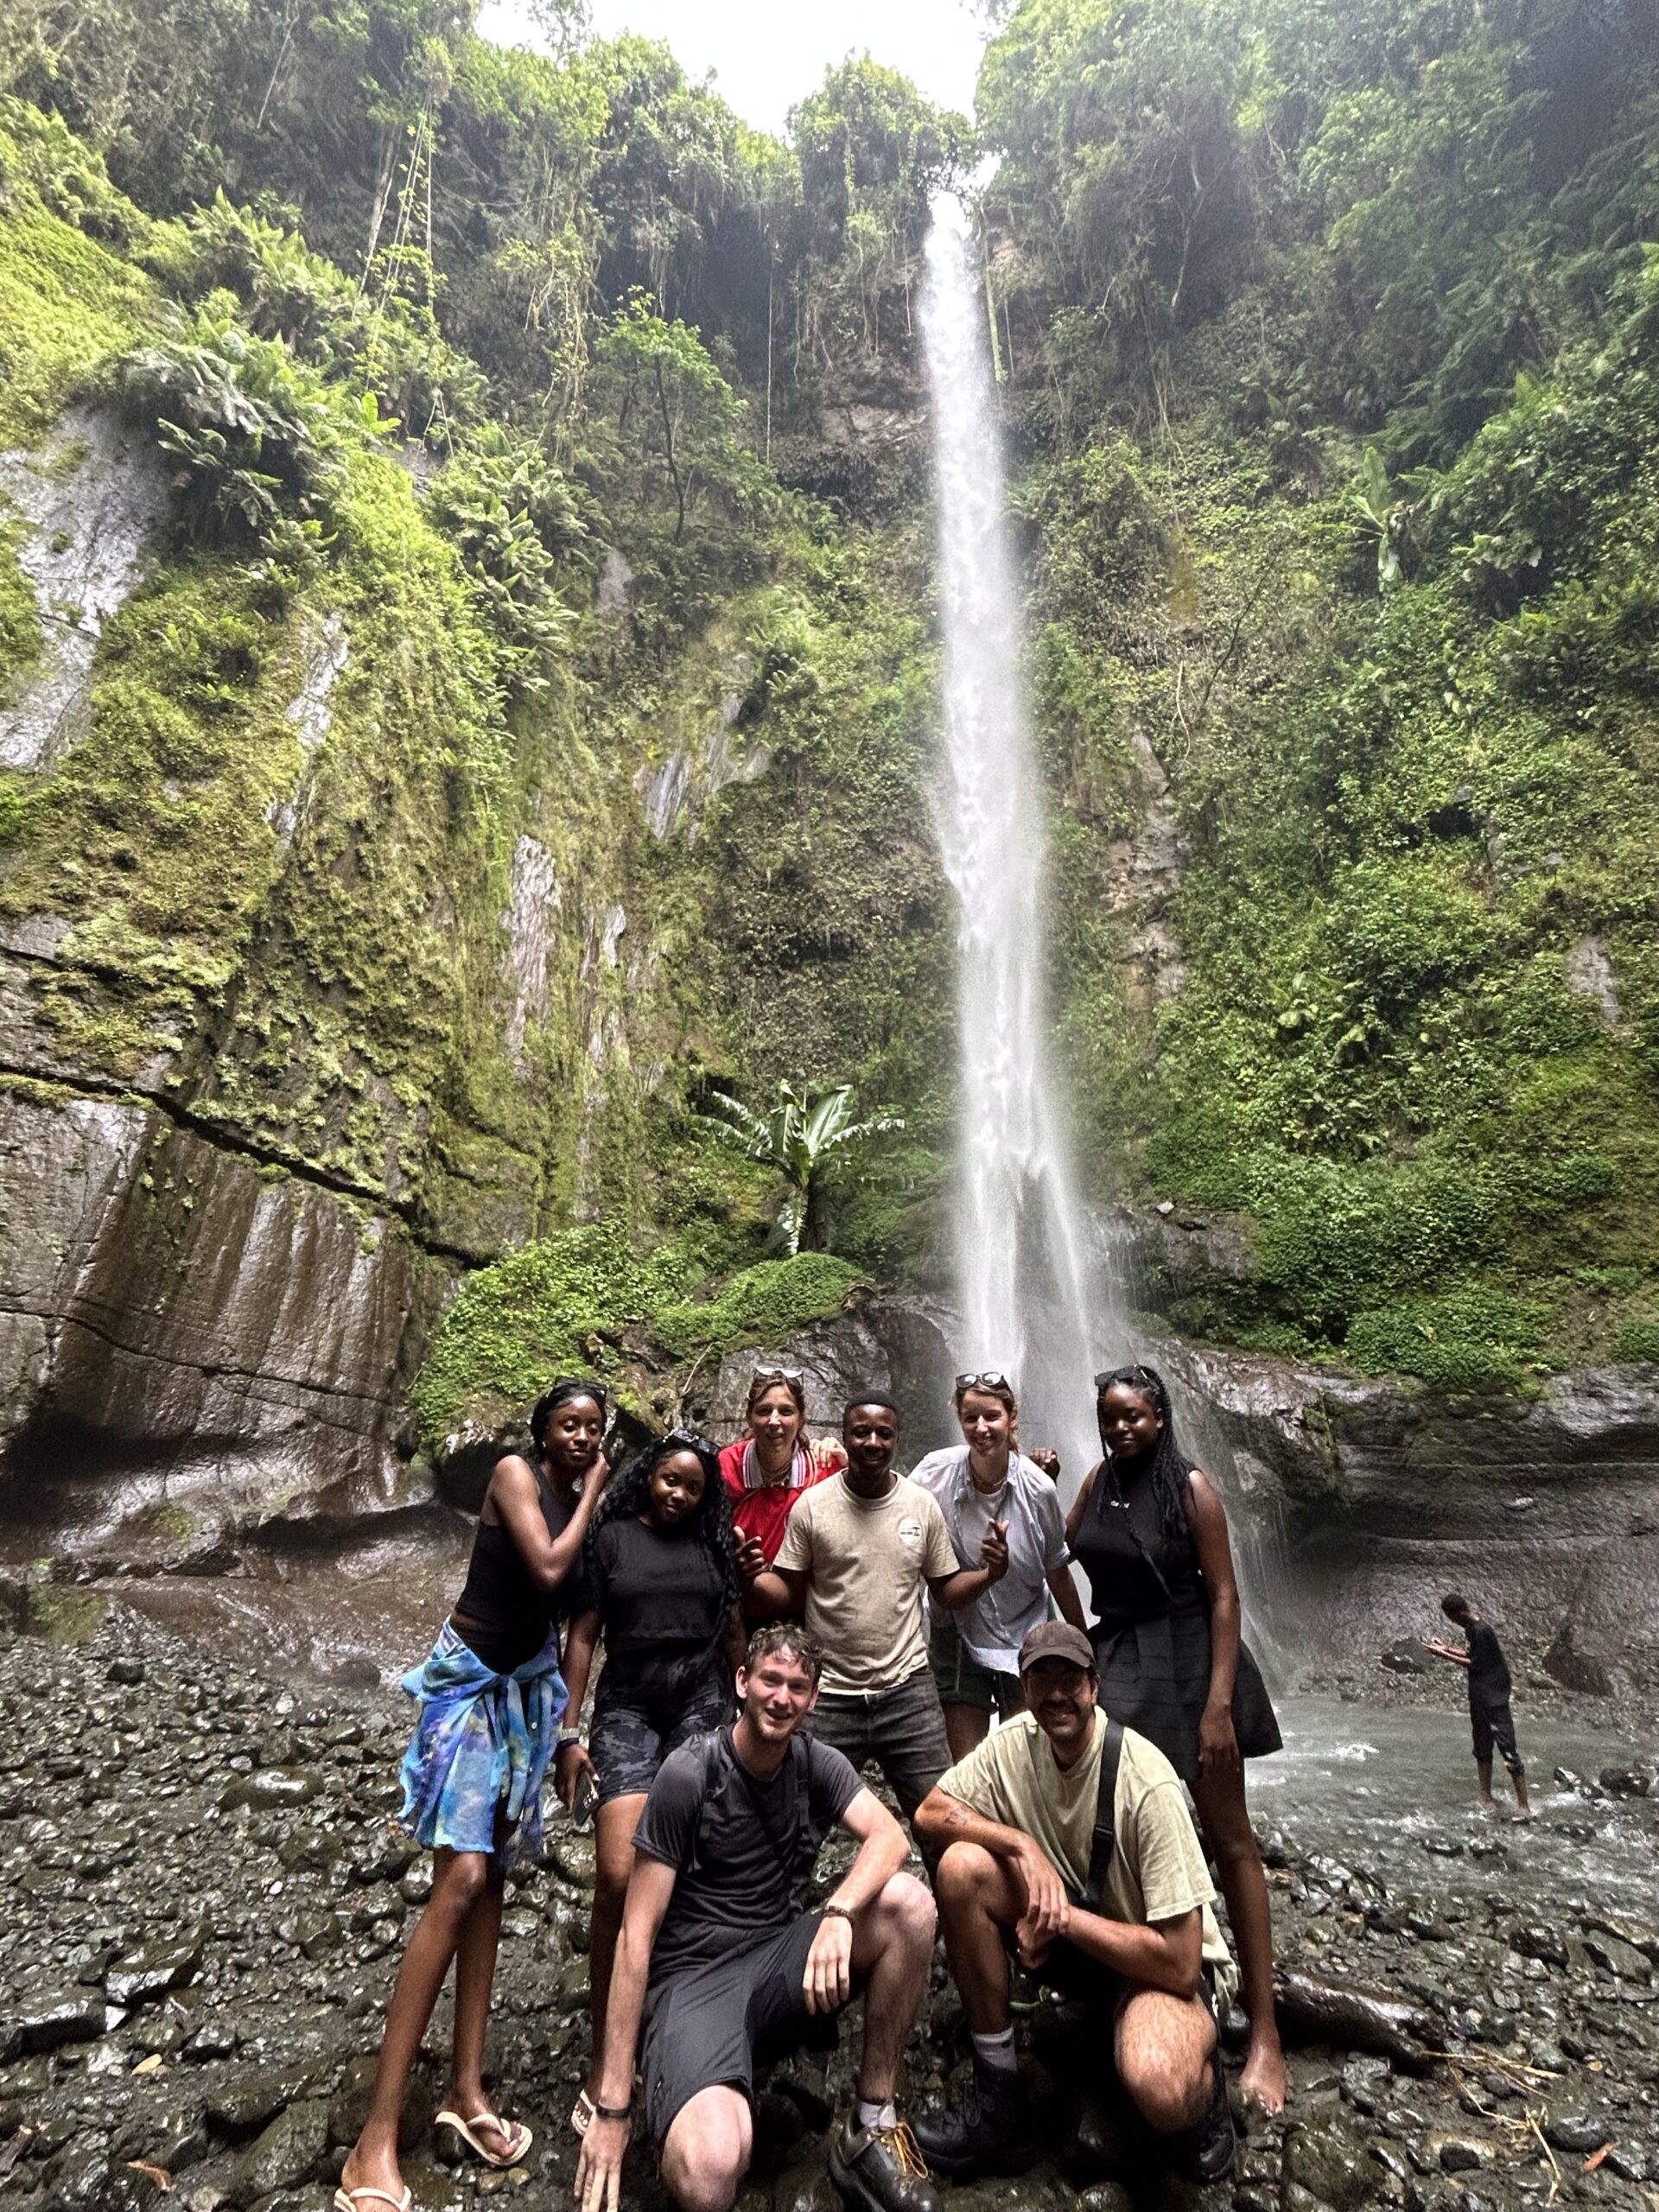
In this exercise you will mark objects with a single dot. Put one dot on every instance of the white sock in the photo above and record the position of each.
(996, 2052)
(873, 2116)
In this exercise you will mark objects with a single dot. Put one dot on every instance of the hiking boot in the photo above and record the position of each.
(881, 2169)
(1205, 2153)
(990, 2132)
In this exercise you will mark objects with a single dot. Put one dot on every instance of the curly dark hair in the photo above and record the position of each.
(1170, 1470)
(710, 1524)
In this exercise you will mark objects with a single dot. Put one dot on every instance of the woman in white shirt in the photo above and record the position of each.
(985, 1480)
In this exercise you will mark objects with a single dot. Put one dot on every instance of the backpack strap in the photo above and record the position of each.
(712, 1750)
(1105, 1838)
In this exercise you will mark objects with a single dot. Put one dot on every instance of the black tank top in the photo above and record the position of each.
(501, 1612)
(1135, 1573)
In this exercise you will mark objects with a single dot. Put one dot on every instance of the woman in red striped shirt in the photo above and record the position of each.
(768, 1469)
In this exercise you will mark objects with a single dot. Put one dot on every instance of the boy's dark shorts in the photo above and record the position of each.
(1494, 1724)
(711, 2026)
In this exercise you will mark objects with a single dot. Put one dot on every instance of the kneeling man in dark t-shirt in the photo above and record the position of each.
(725, 1971)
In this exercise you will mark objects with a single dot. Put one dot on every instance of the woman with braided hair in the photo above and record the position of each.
(1150, 1533)
(491, 1696)
(661, 1581)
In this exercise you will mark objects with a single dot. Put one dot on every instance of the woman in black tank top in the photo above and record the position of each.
(491, 1698)
(1150, 1533)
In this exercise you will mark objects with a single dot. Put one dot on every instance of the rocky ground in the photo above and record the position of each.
(208, 1897)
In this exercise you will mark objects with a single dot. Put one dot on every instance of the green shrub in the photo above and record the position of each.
(762, 1306)
(563, 1303)
(1469, 1340)
(254, 437)
(1637, 1339)
(514, 520)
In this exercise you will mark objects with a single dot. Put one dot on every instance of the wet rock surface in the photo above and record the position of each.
(208, 1899)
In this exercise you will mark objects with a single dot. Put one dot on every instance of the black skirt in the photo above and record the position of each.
(1155, 1677)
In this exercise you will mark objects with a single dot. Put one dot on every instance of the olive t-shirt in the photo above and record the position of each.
(868, 1563)
(1158, 1871)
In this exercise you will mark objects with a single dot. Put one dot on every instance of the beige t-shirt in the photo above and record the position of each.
(868, 1564)
(1158, 1871)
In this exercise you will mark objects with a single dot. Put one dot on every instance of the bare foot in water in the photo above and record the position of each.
(1263, 2082)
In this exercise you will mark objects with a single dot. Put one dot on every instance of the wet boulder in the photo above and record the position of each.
(287, 2153)
(1324, 2157)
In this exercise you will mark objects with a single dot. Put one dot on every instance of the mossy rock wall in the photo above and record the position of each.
(314, 919)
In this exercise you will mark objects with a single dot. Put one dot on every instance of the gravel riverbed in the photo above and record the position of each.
(208, 1897)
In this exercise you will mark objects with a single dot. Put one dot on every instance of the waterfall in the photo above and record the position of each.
(1023, 1273)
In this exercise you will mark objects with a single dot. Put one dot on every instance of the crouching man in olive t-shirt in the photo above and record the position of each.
(1068, 1839)
(726, 1970)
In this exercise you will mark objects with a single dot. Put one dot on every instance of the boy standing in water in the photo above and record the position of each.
(1488, 1698)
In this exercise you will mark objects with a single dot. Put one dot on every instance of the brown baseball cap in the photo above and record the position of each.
(1056, 1640)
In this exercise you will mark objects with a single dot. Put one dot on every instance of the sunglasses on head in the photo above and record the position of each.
(993, 1379)
(779, 1375)
(1110, 1375)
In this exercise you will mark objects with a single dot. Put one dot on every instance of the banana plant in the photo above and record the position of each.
(799, 1136)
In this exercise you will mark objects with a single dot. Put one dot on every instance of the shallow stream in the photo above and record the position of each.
(1390, 1789)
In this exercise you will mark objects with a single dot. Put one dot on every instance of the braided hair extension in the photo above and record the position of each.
(1171, 1469)
(710, 1520)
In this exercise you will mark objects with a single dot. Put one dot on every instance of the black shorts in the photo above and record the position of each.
(1494, 1724)
(1071, 1972)
(709, 2027)
(648, 1703)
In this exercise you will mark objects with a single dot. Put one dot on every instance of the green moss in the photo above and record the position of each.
(764, 1304)
(21, 636)
(67, 303)
(64, 1616)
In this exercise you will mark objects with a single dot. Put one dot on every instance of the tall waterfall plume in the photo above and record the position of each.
(1023, 1281)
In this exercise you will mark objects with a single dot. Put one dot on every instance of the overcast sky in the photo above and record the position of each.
(765, 56)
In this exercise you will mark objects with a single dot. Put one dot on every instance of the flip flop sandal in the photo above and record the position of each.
(512, 2131)
(583, 2113)
(348, 2200)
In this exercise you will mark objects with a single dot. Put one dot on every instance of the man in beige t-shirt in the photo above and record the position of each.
(1015, 1825)
(860, 1552)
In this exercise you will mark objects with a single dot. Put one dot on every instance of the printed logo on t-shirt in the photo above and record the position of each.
(910, 1532)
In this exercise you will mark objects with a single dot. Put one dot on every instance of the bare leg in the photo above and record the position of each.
(706, 2150)
(892, 1947)
(978, 1898)
(1163, 2047)
(480, 1939)
(614, 1828)
(459, 1878)
(1483, 1777)
(1220, 1802)
(1517, 1775)
(965, 1728)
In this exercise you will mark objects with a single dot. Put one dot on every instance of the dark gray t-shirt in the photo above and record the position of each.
(743, 1845)
(1488, 1675)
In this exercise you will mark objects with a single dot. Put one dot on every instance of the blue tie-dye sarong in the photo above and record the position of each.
(482, 1743)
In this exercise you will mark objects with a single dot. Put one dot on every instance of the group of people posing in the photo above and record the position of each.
(775, 1617)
